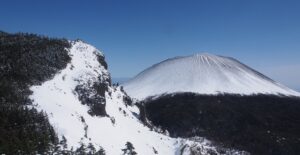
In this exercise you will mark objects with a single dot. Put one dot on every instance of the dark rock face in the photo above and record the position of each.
(26, 60)
(259, 124)
(101, 60)
(92, 93)
(94, 97)
(127, 99)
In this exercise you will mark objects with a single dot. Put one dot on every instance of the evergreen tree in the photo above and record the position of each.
(129, 150)
(101, 151)
(91, 148)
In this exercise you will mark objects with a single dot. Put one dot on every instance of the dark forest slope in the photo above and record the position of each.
(260, 124)
(25, 60)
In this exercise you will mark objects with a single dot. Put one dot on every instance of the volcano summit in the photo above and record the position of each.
(204, 74)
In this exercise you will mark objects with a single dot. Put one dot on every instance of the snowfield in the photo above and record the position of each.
(204, 74)
(70, 118)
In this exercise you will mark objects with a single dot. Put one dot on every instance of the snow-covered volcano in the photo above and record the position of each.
(205, 74)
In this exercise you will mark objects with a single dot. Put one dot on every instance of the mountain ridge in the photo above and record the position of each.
(117, 125)
(59, 96)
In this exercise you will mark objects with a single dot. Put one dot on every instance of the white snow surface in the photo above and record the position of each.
(204, 74)
(58, 99)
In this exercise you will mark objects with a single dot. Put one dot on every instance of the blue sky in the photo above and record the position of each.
(135, 34)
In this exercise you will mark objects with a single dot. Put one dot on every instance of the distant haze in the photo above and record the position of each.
(119, 80)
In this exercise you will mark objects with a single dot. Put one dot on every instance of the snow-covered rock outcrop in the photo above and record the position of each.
(85, 109)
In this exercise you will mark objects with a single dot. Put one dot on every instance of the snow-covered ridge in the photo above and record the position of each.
(205, 74)
(70, 118)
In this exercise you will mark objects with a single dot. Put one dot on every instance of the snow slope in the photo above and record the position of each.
(70, 118)
(204, 74)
